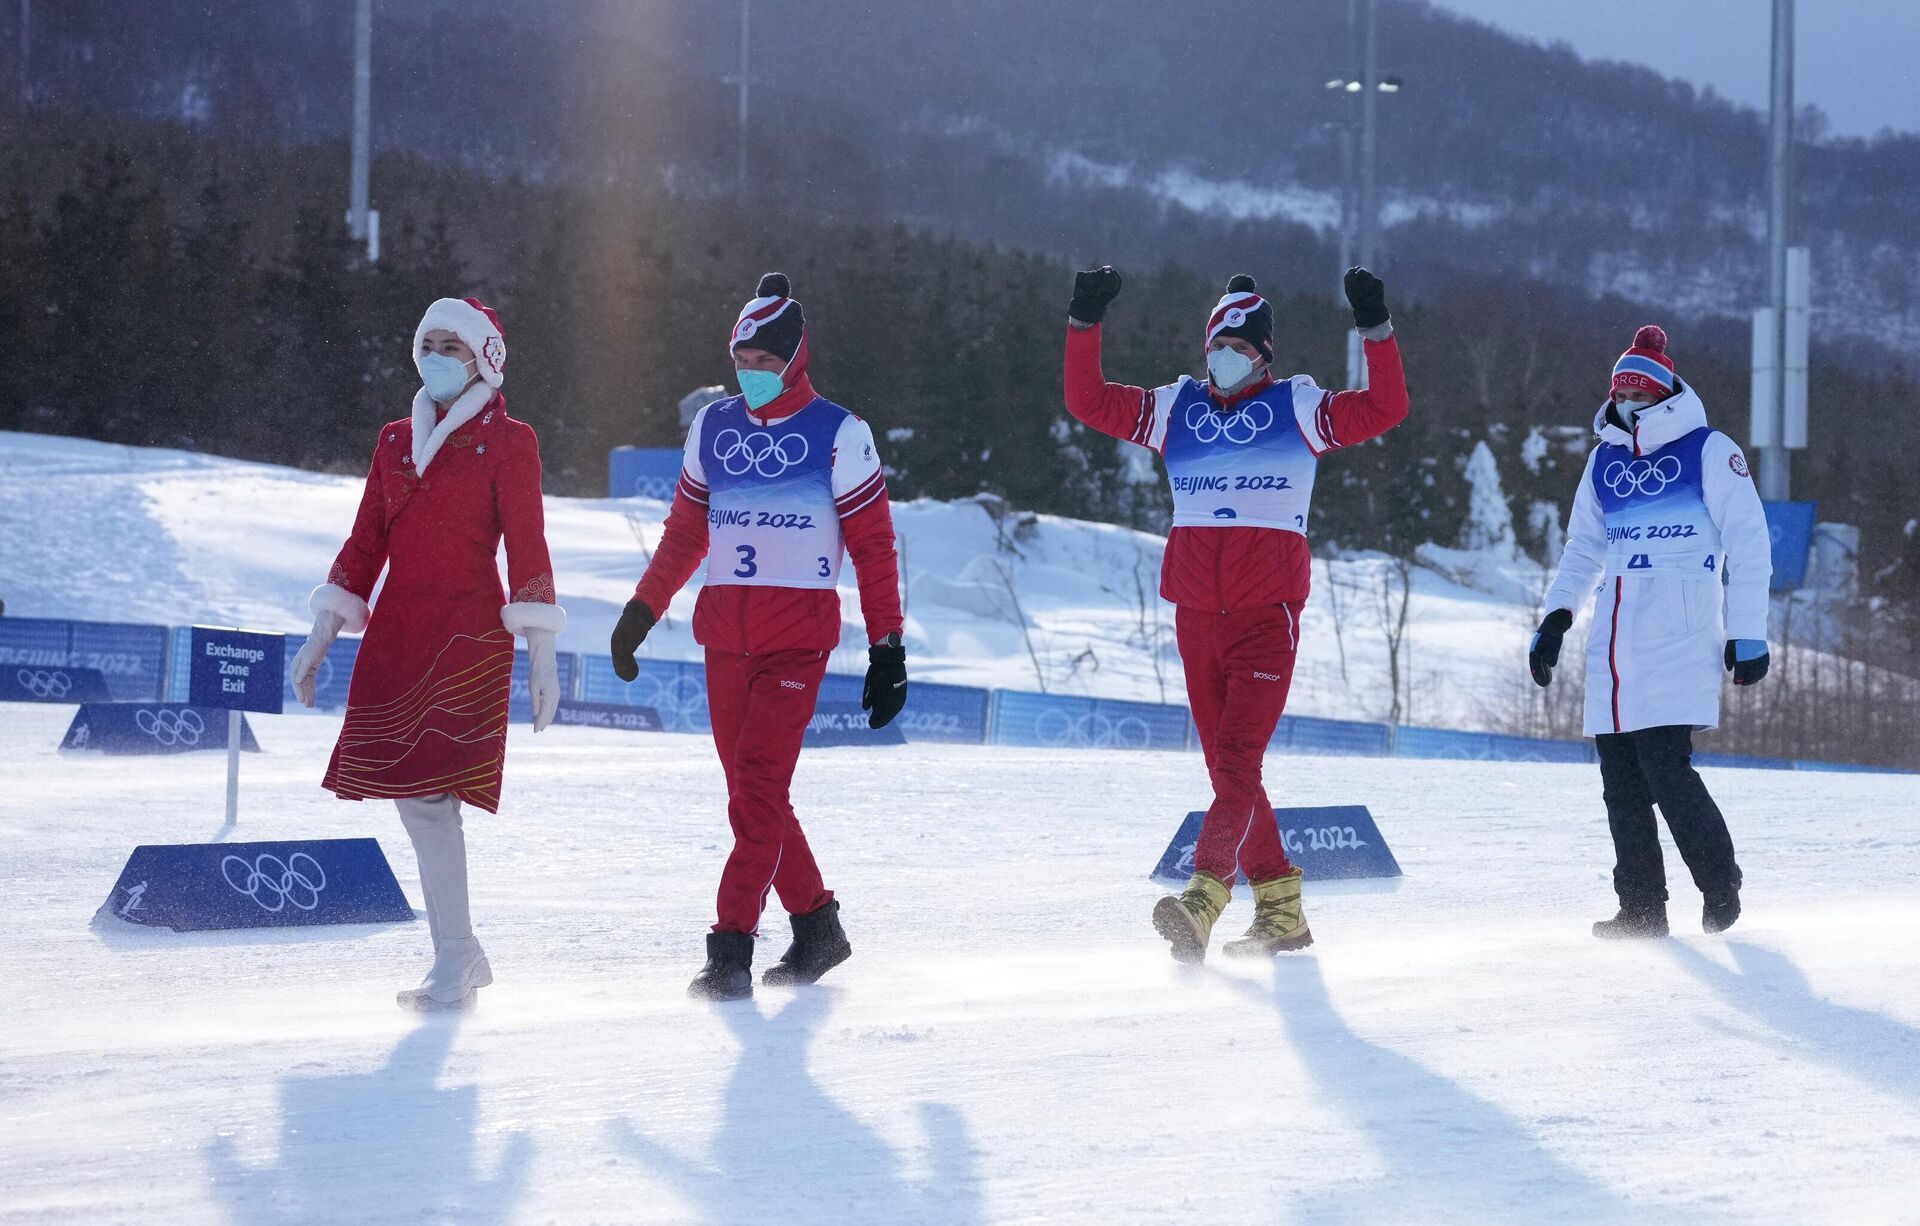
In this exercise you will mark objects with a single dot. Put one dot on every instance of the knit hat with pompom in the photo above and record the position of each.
(1645, 367)
(1245, 314)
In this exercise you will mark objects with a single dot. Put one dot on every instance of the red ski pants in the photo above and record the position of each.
(760, 705)
(1239, 669)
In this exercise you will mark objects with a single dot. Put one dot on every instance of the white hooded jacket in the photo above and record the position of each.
(1669, 536)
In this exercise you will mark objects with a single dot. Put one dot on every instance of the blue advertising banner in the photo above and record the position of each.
(953, 714)
(236, 670)
(1304, 734)
(1790, 524)
(131, 658)
(197, 887)
(330, 682)
(609, 715)
(844, 723)
(520, 705)
(676, 689)
(1070, 722)
(643, 472)
(1486, 746)
(1328, 843)
(152, 727)
(51, 683)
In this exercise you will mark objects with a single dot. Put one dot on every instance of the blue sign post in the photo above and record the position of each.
(1790, 525)
(236, 670)
(1327, 842)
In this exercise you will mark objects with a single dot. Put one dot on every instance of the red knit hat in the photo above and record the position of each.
(1645, 367)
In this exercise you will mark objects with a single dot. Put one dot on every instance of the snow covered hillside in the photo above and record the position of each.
(997, 599)
(1009, 1043)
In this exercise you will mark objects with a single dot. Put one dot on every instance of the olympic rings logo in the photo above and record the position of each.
(171, 727)
(681, 702)
(1057, 729)
(1239, 427)
(281, 881)
(758, 452)
(43, 684)
(1642, 476)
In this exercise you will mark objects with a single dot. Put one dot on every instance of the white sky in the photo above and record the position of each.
(1857, 60)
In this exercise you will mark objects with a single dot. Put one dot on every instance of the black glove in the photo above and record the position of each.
(1751, 669)
(1092, 291)
(1367, 295)
(631, 631)
(886, 689)
(1545, 651)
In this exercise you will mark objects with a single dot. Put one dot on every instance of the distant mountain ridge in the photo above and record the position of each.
(1139, 136)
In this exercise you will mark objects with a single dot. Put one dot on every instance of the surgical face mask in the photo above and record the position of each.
(1228, 367)
(760, 387)
(445, 377)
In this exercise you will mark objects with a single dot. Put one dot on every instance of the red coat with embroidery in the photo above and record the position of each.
(1227, 569)
(427, 708)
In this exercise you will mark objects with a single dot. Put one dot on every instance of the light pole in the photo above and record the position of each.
(1775, 474)
(363, 223)
(743, 79)
(1364, 213)
(26, 51)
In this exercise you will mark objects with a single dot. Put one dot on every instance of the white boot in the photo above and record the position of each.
(439, 844)
(459, 971)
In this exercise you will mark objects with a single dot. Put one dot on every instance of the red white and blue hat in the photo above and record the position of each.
(1245, 314)
(772, 320)
(1645, 367)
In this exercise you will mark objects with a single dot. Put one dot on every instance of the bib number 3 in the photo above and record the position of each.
(748, 568)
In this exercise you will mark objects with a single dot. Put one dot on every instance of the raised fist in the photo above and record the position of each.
(1092, 291)
(1367, 295)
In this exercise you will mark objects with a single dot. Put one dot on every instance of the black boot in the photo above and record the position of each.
(1722, 908)
(819, 945)
(1634, 920)
(728, 974)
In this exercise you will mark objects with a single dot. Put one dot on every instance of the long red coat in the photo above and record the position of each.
(427, 708)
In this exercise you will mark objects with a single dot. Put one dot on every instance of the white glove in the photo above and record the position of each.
(306, 664)
(544, 680)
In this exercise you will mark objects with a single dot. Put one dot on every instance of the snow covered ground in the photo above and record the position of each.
(1010, 1042)
(110, 533)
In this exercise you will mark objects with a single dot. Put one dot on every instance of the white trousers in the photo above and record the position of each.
(440, 846)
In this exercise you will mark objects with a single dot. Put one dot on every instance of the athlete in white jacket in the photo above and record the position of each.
(1669, 537)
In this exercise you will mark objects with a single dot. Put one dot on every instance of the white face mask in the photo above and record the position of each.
(1229, 368)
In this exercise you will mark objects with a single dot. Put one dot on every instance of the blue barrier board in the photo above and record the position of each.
(1068, 721)
(675, 689)
(952, 714)
(1327, 843)
(1305, 734)
(1790, 527)
(197, 887)
(132, 658)
(844, 723)
(152, 727)
(643, 472)
(1486, 747)
(52, 683)
(236, 670)
(609, 715)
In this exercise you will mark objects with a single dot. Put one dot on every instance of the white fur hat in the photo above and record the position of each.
(474, 322)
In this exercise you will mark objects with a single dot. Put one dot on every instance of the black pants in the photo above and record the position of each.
(1655, 766)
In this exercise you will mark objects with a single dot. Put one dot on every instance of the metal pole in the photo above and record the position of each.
(1775, 476)
(26, 51)
(233, 767)
(1369, 103)
(746, 29)
(362, 119)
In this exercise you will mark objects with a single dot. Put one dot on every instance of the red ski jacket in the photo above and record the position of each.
(744, 620)
(1230, 568)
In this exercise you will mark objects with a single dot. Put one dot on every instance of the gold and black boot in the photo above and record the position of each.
(1278, 922)
(1186, 919)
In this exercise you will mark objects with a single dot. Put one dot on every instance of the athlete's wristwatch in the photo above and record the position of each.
(892, 639)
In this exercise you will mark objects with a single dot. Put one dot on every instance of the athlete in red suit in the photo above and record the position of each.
(1241, 451)
(426, 723)
(777, 482)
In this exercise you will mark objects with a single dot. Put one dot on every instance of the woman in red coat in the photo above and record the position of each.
(426, 723)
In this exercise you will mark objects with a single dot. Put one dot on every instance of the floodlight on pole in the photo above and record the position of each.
(363, 223)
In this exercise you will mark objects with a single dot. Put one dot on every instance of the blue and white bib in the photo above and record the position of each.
(771, 520)
(1656, 510)
(1250, 467)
